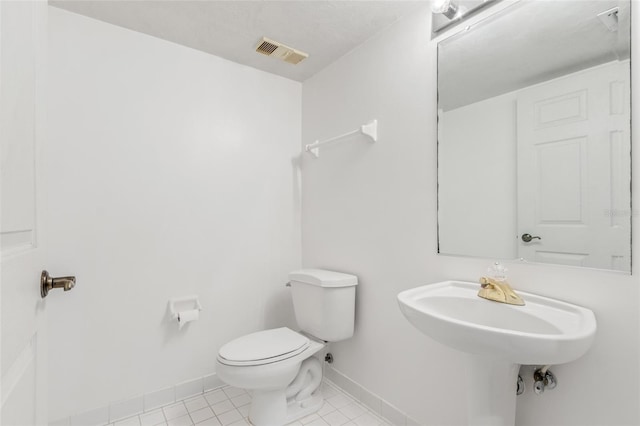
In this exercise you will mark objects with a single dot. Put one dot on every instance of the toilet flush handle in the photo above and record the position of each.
(288, 284)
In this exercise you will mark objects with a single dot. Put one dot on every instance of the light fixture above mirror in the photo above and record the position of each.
(448, 8)
(446, 13)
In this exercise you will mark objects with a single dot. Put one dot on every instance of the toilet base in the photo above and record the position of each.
(302, 397)
(268, 408)
(297, 410)
(271, 408)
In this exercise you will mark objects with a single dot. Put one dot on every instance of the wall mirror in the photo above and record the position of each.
(534, 131)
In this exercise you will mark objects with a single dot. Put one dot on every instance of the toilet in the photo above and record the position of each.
(277, 366)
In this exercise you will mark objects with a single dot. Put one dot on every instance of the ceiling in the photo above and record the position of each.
(525, 44)
(325, 29)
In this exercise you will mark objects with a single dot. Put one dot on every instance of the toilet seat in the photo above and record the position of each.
(263, 347)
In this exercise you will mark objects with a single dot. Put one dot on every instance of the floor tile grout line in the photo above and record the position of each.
(336, 391)
(354, 399)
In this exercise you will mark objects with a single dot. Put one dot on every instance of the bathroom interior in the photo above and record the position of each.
(179, 187)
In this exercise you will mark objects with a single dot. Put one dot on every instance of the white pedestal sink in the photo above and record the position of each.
(498, 338)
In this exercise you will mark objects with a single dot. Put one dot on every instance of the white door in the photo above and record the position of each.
(574, 169)
(23, 319)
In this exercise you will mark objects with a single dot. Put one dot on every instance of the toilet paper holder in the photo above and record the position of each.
(182, 304)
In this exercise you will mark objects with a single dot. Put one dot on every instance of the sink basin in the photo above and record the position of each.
(498, 338)
(543, 331)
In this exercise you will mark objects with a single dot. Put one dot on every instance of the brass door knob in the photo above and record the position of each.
(47, 283)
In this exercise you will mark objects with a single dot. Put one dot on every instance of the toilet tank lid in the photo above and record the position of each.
(323, 278)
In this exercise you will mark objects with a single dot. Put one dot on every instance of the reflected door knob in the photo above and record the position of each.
(528, 237)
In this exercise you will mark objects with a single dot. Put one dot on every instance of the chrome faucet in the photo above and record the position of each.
(498, 291)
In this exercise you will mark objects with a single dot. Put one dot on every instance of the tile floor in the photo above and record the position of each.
(229, 406)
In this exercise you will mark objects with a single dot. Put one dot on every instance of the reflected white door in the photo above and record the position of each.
(574, 169)
(23, 319)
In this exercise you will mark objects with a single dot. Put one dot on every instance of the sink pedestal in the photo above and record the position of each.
(491, 392)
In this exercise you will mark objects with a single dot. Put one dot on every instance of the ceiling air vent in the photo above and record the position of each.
(278, 50)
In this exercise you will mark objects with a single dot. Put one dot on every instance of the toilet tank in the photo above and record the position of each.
(324, 303)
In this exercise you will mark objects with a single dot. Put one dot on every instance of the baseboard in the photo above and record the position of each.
(141, 403)
(376, 404)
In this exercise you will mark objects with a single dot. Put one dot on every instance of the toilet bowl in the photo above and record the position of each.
(277, 366)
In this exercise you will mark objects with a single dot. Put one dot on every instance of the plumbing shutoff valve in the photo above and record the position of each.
(543, 379)
(520, 385)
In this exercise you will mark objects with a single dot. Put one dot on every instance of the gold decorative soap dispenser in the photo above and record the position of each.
(495, 287)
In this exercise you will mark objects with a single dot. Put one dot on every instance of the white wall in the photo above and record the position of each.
(370, 209)
(477, 179)
(168, 172)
